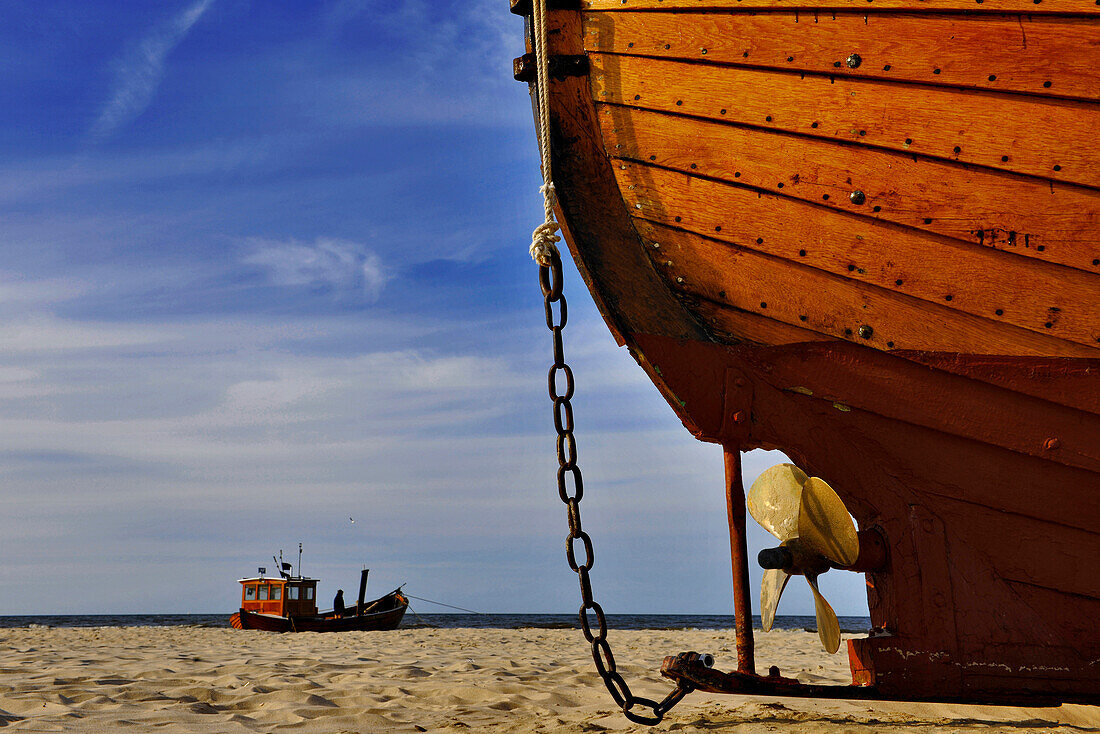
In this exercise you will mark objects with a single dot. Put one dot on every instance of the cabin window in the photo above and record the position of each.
(309, 592)
(276, 592)
(263, 593)
(249, 593)
(292, 592)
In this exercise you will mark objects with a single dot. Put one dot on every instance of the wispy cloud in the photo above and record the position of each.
(138, 73)
(348, 268)
(33, 180)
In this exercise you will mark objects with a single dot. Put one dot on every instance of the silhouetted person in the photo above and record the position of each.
(338, 603)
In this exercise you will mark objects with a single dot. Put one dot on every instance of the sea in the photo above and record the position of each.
(447, 621)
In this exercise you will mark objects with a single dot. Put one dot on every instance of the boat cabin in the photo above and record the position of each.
(290, 596)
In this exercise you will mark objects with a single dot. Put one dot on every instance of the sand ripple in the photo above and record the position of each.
(534, 680)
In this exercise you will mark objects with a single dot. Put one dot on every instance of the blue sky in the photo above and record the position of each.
(264, 269)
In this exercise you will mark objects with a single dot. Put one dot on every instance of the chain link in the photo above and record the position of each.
(634, 707)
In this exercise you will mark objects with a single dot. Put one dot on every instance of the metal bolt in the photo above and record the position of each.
(866, 331)
(857, 197)
(1051, 443)
(854, 61)
(739, 417)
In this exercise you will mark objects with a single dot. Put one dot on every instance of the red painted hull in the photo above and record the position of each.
(382, 614)
(990, 590)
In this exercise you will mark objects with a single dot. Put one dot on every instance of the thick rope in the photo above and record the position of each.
(545, 238)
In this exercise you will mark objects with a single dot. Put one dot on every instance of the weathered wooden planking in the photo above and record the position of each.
(1005, 434)
(1064, 568)
(1080, 500)
(910, 393)
(1042, 137)
(1043, 297)
(1040, 55)
(802, 296)
(1067, 382)
(878, 456)
(733, 325)
(600, 234)
(1052, 222)
(1057, 614)
(1064, 7)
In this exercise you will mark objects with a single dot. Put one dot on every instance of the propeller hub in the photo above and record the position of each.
(775, 558)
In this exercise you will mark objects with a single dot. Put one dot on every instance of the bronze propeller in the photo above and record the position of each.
(816, 533)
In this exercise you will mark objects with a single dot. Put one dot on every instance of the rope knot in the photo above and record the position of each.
(544, 243)
(545, 238)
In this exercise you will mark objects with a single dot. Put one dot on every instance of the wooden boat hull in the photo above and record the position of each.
(381, 614)
(821, 230)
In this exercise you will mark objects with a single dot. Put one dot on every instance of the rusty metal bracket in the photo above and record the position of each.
(560, 67)
(523, 7)
(687, 669)
(737, 407)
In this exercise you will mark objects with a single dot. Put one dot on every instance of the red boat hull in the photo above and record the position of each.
(382, 614)
(989, 592)
(971, 444)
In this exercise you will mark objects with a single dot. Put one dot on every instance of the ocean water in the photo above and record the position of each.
(415, 619)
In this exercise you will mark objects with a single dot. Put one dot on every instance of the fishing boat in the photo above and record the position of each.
(865, 233)
(288, 603)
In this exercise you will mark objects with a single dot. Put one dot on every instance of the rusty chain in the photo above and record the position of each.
(550, 279)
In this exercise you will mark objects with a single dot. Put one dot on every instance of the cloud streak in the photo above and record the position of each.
(344, 267)
(139, 430)
(139, 72)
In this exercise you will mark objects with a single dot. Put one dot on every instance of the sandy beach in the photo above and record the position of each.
(409, 680)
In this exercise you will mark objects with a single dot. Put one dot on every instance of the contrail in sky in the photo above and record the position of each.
(139, 72)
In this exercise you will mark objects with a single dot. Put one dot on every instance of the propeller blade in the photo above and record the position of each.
(774, 499)
(775, 580)
(828, 627)
(824, 525)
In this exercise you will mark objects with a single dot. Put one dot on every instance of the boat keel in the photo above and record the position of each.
(690, 671)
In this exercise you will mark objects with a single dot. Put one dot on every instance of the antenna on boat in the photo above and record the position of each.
(299, 560)
(284, 567)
